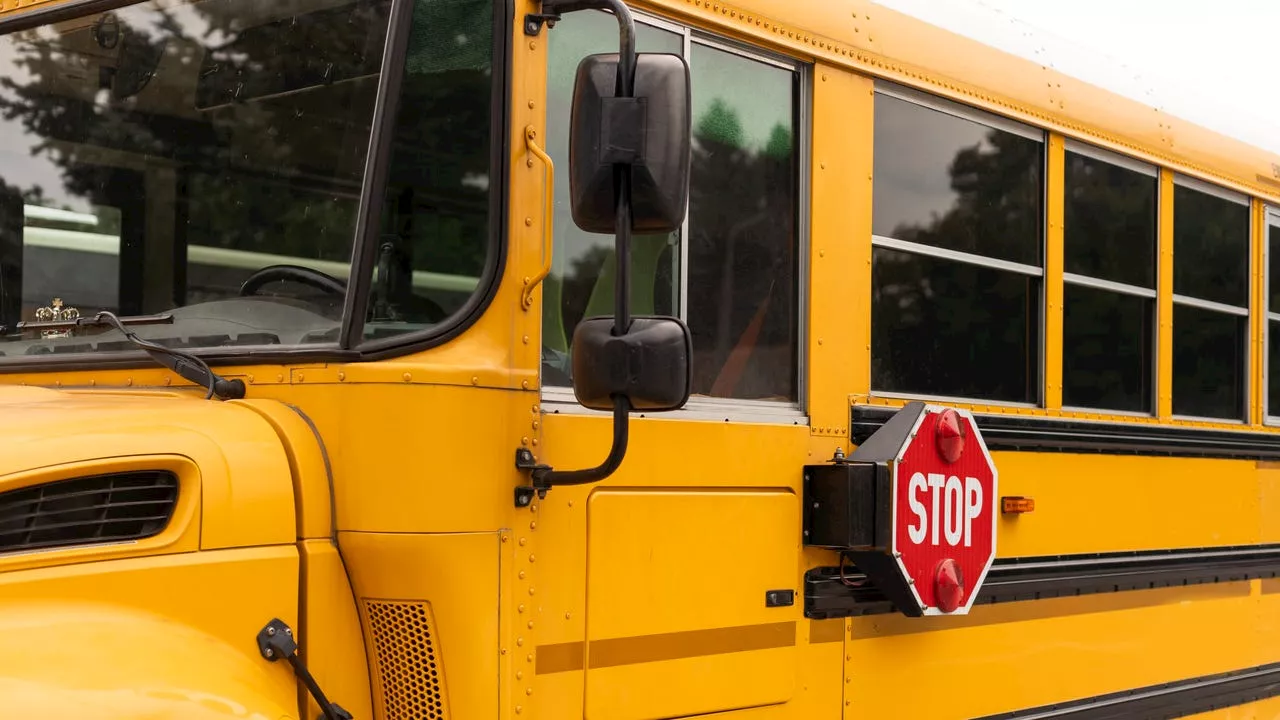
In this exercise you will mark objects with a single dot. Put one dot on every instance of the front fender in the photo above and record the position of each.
(95, 661)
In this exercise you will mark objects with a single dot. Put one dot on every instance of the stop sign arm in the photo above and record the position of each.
(912, 508)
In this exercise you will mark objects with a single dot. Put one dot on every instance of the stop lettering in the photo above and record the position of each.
(944, 497)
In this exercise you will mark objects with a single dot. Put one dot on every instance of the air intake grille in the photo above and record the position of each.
(410, 673)
(87, 511)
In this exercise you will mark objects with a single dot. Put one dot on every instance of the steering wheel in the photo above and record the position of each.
(292, 273)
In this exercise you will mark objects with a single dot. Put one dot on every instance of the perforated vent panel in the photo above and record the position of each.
(410, 674)
(87, 511)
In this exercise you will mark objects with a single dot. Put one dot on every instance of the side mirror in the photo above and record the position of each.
(650, 132)
(650, 365)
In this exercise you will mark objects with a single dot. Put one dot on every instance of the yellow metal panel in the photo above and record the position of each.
(308, 463)
(457, 574)
(659, 617)
(14, 6)
(1007, 657)
(840, 247)
(164, 637)
(246, 490)
(1258, 312)
(1164, 301)
(332, 644)
(1055, 168)
(1098, 503)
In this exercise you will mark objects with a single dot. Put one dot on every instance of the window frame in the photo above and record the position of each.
(1270, 219)
(1093, 152)
(1244, 312)
(561, 400)
(1005, 124)
(350, 346)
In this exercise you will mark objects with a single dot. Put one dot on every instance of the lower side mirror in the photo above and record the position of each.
(650, 365)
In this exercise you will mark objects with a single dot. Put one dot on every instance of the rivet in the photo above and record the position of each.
(407, 377)
(520, 642)
(341, 377)
(520, 608)
(524, 384)
(58, 383)
(95, 382)
(504, 651)
(524, 441)
(530, 104)
(280, 377)
(533, 508)
(824, 77)
(526, 339)
(521, 574)
(566, 616)
(528, 162)
(528, 691)
(530, 591)
(475, 380)
(535, 408)
(528, 222)
(530, 624)
(822, 166)
(519, 709)
(535, 442)
(819, 341)
(128, 381)
(533, 525)
(570, 503)
(519, 674)
(822, 253)
(504, 538)
(532, 558)
(535, 424)
(533, 45)
(523, 541)
(529, 657)
(301, 378)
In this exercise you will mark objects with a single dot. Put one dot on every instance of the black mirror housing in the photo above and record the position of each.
(650, 131)
(650, 365)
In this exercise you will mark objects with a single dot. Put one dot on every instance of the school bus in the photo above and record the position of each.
(457, 359)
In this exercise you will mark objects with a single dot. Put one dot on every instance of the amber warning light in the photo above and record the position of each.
(1016, 505)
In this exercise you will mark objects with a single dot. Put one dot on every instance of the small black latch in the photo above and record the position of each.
(533, 22)
(779, 598)
(276, 641)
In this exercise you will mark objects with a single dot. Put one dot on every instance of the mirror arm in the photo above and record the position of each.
(543, 476)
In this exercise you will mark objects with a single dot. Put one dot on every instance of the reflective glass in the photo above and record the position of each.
(1106, 349)
(1109, 222)
(1208, 363)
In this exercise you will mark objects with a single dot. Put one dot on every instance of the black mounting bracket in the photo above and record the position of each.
(533, 22)
(525, 462)
(276, 641)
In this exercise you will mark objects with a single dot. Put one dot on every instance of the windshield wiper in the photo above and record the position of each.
(187, 365)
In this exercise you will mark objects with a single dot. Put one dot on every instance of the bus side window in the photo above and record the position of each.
(957, 261)
(732, 273)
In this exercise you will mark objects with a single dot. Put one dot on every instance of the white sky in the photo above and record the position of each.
(1213, 64)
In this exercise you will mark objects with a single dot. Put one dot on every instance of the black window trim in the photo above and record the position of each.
(1125, 162)
(1244, 312)
(361, 274)
(992, 120)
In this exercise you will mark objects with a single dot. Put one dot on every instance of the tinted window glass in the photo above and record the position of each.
(941, 326)
(1273, 367)
(1208, 363)
(953, 329)
(738, 287)
(190, 146)
(1273, 267)
(439, 201)
(1210, 247)
(957, 184)
(1106, 349)
(1110, 222)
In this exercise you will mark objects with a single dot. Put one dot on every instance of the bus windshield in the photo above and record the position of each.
(207, 159)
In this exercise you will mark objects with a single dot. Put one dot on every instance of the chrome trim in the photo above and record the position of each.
(1110, 157)
(952, 399)
(955, 255)
(1100, 284)
(1207, 188)
(1210, 305)
(964, 112)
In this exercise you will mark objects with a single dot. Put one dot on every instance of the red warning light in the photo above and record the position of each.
(950, 434)
(948, 585)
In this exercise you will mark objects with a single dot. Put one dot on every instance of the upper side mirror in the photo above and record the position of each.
(649, 365)
(649, 131)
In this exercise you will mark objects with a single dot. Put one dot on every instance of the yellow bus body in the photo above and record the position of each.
(369, 504)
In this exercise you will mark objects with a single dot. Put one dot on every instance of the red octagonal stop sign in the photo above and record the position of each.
(944, 510)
